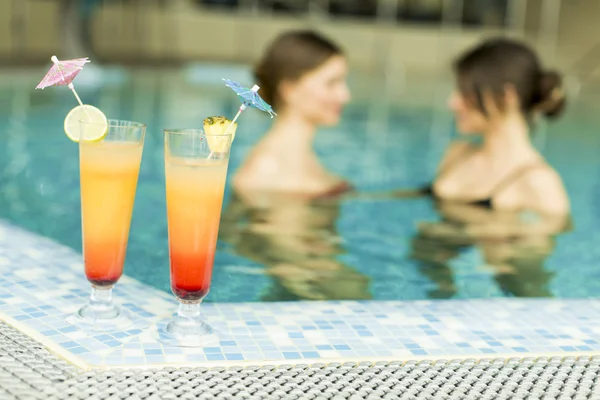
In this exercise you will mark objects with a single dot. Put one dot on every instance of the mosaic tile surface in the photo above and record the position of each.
(41, 282)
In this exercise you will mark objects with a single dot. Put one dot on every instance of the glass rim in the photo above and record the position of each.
(192, 131)
(116, 123)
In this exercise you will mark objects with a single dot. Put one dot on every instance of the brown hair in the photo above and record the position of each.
(291, 55)
(498, 62)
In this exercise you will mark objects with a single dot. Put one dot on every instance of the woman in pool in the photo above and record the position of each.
(272, 217)
(500, 197)
(502, 89)
(303, 75)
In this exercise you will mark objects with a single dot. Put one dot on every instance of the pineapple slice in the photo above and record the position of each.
(218, 126)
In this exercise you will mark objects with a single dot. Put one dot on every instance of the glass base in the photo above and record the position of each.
(89, 318)
(101, 314)
(187, 329)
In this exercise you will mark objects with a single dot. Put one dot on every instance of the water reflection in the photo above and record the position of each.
(308, 250)
(514, 245)
(297, 242)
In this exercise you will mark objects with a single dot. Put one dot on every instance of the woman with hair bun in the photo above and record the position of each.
(499, 200)
(501, 89)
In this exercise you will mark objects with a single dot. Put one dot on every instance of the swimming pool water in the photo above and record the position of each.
(362, 248)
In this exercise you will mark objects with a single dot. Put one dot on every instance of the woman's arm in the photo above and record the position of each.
(547, 192)
(454, 153)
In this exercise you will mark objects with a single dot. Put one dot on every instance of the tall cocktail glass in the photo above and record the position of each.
(109, 170)
(195, 169)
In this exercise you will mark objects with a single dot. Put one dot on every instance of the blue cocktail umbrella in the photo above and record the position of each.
(250, 98)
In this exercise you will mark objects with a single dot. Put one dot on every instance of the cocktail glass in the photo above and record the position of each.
(195, 169)
(109, 170)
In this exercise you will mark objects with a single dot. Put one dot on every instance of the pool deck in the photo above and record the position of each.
(28, 371)
(42, 281)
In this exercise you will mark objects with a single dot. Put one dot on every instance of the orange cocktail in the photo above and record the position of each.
(195, 169)
(109, 170)
(109, 173)
(194, 198)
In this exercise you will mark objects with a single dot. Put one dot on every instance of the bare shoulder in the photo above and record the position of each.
(258, 169)
(547, 191)
(247, 175)
(545, 178)
(456, 149)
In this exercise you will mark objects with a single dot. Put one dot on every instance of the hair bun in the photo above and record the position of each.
(552, 99)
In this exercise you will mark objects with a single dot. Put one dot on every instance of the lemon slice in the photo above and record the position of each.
(94, 132)
(215, 126)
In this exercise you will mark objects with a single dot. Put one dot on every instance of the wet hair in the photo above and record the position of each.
(498, 62)
(289, 57)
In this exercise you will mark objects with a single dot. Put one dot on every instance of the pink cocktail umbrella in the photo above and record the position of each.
(62, 73)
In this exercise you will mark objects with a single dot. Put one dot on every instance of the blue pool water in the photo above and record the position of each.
(365, 248)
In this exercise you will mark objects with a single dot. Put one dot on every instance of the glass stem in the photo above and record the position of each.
(188, 311)
(101, 298)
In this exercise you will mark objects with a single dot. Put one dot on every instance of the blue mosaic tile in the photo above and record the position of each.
(212, 350)
(520, 349)
(68, 329)
(234, 356)
(341, 347)
(291, 355)
(263, 332)
(79, 350)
